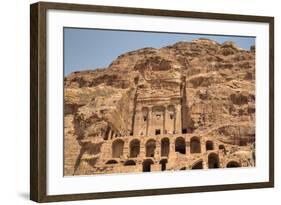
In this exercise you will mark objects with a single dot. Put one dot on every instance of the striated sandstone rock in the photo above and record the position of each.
(204, 88)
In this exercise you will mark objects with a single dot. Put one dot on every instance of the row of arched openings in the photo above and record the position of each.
(180, 146)
(146, 165)
(213, 162)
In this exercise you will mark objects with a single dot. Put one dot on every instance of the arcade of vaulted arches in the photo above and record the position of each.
(159, 153)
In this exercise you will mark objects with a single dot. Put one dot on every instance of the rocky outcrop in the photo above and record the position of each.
(219, 80)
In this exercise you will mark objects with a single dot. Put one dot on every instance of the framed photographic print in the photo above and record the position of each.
(134, 102)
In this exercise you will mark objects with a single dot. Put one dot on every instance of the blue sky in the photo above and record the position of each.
(86, 49)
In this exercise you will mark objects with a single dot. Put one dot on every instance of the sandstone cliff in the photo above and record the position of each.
(219, 80)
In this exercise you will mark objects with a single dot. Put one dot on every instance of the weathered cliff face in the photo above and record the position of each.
(219, 80)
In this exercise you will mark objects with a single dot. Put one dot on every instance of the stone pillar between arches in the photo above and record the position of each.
(178, 127)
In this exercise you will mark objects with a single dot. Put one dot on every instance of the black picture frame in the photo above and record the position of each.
(38, 102)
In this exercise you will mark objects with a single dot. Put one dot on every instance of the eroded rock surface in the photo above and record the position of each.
(199, 89)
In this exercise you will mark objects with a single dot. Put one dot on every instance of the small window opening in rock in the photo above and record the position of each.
(184, 131)
(243, 142)
(171, 116)
(144, 118)
(157, 132)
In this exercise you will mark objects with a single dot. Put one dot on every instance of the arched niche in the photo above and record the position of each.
(130, 163)
(134, 148)
(233, 164)
(213, 161)
(117, 148)
(150, 147)
(165, 147)
(221, 147)
(209, 145)
(146, 165)
(111, 161)
(195, 146)
(180, 145)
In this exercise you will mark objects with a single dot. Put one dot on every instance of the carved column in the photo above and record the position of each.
(109, 134)
(157, 152)
(149, 123)
(203, 146)
(137, 121)
(126, 149)
(142, 149)
(172, 148)
(164, 109)
(178, 128)
(205, 163)
(187, 146)
(166, 117)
